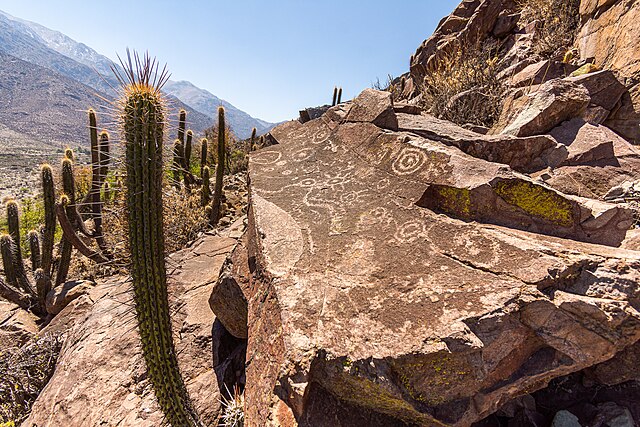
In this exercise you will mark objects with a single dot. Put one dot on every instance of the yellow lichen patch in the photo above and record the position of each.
(454, 201)
(585, 69)
(537, 201)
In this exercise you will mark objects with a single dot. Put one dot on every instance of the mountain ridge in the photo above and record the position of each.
(35, 43)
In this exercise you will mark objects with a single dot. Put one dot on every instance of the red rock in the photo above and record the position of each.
(373, 106)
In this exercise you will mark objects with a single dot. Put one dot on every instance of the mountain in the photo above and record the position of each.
(51, 49)
(207, 103)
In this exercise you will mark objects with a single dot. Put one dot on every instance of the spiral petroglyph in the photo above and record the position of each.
(409, 161)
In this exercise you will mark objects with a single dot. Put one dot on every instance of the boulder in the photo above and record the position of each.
(565, 419)
(538, 112)
(524, 154)
(598, 160)
(604, 88)
(609, 31)
(373, 106)
(100, 378)
(470, 21)
(17, 326)
(341, 333)
(540, 72)
(505, 23)
(227, 300)
(312, 113)
(58, 298)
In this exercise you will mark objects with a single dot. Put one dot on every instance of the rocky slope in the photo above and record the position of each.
(401, 270)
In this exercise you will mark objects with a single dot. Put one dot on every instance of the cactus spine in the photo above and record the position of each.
(143, 118)
(49, 218)
(216, 211)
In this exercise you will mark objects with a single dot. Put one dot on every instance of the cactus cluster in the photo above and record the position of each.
(337, 96)
(46, 268)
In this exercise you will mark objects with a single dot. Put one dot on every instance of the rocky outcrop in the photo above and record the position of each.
(542, 110)
(17, 326)
(100, 377)
(374, 301)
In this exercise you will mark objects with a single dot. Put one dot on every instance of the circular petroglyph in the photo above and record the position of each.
(320, 136)
(307, 183)
(302, 155)
(410, 231)
(409, 161)
(266, 158)
(382, 184)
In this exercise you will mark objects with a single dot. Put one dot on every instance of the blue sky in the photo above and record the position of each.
(267, 58)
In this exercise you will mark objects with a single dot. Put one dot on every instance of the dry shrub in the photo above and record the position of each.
(464, 87)
(558, 24)
(24, 372)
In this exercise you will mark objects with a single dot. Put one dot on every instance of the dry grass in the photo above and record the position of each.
(558, 24)
(24, 372)
(464, 87)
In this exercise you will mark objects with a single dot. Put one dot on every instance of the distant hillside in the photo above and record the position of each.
(55, 51)
(207, 103)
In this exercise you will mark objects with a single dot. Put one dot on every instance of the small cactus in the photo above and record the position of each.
(182, 123)
(339, 96)
(335, 96)
(176, 166)
(68, 153)
(216, 208)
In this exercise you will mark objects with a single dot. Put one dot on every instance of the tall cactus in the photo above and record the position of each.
(339, 96)
(34, 249)
(187, 149)
(176, 166)
(335, 95)
(7, 251)
(49, 218)
(182, 124)
(13, 222)
(205, 191)
(203, 155)
(143, 118)
(252, 142)
(66, 248)
(216, 208)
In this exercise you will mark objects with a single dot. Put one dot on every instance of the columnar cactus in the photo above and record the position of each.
(143, 118)
(182, 124)
(34, 249)
(339, 96)
(7, 251)
(187, 149)
(13, 222)
(252, 142)
(66, 248)
(203, 155)
(205, 191)
(49, 229)
(176, 166)
(335, 96)
(216, 208)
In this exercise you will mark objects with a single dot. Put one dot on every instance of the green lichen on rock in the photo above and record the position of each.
(537, 201)
(454, 201)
